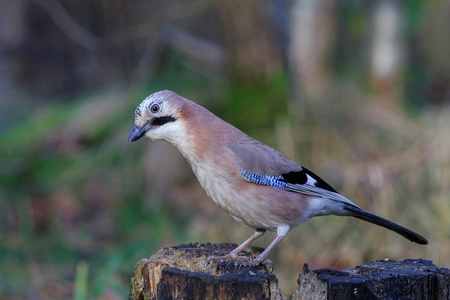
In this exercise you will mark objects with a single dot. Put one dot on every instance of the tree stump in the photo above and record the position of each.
(180, 272)
(383, 279)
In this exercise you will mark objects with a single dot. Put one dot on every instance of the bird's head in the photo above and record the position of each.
(158, 117)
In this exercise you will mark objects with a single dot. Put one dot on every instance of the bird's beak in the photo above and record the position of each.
(136, 133)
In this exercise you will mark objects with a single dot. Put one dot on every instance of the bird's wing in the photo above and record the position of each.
(263, 165)
(256, 157)
(306, 182)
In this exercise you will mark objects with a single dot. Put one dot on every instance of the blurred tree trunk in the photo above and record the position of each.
(249, 41)
(12, 34)
(387, 52)
(312, 32)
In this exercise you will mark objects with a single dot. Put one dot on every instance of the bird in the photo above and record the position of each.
(254, 183)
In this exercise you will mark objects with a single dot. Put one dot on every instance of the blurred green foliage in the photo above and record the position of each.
(76, 212)
(73, 189)
(45, 161)
(257, 105)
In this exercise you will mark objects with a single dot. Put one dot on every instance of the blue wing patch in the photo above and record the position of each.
(274, 181)
(291, 180)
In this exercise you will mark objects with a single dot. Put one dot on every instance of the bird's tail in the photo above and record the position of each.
(366, 216)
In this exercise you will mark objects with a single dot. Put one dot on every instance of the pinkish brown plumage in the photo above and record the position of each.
(255, 184)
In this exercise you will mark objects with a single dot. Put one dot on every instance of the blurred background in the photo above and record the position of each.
(357, 91)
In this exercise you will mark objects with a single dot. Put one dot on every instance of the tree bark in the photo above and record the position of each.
(12, 35)
(387, 52)
(383, 279)
(312, 32)
(249, 41)
(180, 272)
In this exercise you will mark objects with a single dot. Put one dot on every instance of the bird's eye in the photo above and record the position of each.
(154, 108)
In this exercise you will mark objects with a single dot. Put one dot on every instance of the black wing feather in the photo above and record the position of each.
(301, 178)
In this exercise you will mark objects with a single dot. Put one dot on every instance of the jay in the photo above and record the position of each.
(255, 184)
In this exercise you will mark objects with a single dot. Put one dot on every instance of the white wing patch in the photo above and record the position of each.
(310, 180)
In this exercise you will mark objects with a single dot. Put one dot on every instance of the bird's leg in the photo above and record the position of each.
(234, 255)
(261, 257)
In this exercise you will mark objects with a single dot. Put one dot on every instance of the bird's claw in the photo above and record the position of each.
(253, 263)
(225, 258)
(240, 261)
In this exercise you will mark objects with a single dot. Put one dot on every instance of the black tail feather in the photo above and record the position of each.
(366, 216)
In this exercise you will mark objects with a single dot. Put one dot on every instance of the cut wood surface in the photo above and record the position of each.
(181, 272)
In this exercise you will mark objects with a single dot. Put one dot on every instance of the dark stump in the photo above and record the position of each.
(383, 279)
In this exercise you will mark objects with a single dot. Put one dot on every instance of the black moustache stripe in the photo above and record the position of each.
(162, 120)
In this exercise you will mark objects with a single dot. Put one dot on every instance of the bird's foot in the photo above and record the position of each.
(225, 258)
(253, 263)
(241, 261)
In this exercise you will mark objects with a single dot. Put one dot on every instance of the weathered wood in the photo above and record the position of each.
(180, 272)
(383, 279)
